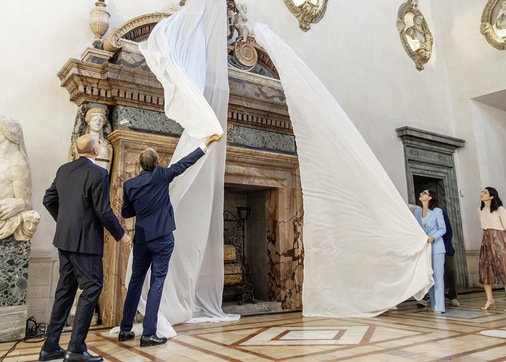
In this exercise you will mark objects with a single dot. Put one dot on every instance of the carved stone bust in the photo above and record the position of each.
(95, 121)
(414, 33)
(16, 215)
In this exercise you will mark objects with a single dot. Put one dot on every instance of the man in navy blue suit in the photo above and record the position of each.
(147, 197)
(449, 275)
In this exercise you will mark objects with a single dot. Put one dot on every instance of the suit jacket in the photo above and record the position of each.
(147, 197)
(447, 237)
(79, 201)
(433, 225)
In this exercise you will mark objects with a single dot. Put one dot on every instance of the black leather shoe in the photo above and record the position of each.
(125, 335)
(81, 357)
(153, 340)
(49, 356)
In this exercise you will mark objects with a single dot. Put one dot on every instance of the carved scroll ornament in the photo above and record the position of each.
(310, 11)
(136, 29)
(493, 23)
(414, 33)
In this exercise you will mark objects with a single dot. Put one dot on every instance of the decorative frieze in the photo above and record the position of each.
(144, 120)
(257, 138)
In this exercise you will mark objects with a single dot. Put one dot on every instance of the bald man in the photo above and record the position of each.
(78, 200)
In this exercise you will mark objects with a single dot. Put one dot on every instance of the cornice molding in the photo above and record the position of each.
(141, 137)
(111, 84)
(235, 155)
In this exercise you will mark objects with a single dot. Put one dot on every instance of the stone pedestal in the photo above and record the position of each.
(13, 286)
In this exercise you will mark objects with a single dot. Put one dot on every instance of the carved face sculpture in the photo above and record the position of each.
(95, 118)
(96, 123)
(417, 21)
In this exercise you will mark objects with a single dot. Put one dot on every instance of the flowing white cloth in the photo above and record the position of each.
(364, 251)
(187, 53)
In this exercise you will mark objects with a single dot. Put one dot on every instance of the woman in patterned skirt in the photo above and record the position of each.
(493, 246)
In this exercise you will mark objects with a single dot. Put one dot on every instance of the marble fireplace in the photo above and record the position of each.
(261, 173)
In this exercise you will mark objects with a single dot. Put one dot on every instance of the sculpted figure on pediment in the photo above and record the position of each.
(240, 20)
(16, 215)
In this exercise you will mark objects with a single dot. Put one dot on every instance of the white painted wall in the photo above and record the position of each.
(355, 50)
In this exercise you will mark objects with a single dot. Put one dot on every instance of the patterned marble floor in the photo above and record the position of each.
(409, 333)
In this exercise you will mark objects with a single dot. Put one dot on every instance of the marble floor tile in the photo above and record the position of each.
(409, 333)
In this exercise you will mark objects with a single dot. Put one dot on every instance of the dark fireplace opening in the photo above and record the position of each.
(245, 245)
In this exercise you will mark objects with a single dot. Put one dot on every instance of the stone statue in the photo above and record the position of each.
(240, 19)
(416, 32)
(500, 22)
(96, 120)
(16, 215)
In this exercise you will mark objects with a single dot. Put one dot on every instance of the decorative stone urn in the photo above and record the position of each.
(99, 22)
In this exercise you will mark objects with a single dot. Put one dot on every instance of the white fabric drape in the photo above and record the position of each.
(364, 252)
(187, 53)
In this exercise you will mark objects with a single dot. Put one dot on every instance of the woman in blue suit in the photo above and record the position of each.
(432, 222)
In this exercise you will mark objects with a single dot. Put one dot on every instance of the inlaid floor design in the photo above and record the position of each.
(410, 333)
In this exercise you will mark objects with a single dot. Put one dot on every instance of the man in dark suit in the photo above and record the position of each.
(449, 275)
(79, 201)
(147, 197)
